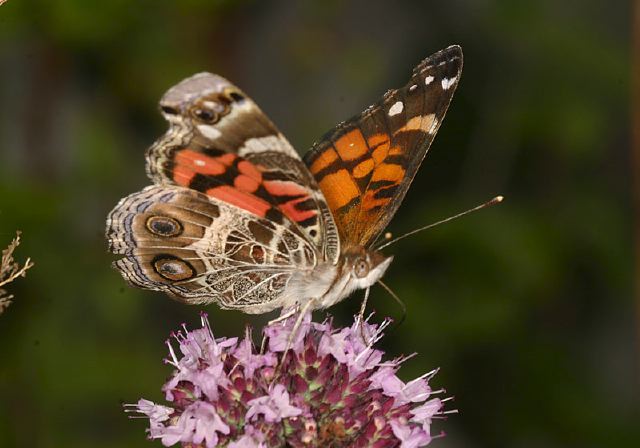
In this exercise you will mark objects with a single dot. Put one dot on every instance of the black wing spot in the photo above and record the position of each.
(235, 96)
(388, 192)
(164, 226)
(172, 268)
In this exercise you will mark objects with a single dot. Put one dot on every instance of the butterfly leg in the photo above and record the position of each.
(360, 318)
(283, 317)
(296, 326)
(305, 309)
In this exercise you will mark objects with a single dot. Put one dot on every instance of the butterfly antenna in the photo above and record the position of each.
(397, 299)
(493, 201)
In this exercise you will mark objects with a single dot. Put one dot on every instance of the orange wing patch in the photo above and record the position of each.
(357, 177)
(189, 163)
(294, 208)
(363, 168)
(248, 189)
(351, 145)
(380, 143)
(389, 172)
(339, 189)
(240, 199)
(324, 160)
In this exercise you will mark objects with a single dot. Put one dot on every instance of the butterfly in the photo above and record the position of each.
(234, 215)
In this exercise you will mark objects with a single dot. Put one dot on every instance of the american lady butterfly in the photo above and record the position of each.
(236, 217)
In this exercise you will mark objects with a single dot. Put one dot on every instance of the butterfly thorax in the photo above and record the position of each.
(328, 284)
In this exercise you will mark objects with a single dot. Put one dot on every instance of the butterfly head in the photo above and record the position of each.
(365, 267)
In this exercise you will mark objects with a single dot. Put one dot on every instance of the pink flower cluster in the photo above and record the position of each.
(330, 389)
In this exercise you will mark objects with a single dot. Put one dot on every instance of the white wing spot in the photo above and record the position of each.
(413, 87)
(396, 108)
(276, 143)
(420, 122)
(447, 82)
(428, 80)
(199, 162)
(209, 131)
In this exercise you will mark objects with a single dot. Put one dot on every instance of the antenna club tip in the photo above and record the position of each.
(499, 198)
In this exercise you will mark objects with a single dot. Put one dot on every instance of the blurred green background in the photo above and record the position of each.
(527, 307)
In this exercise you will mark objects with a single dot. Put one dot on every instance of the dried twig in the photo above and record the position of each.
(635, 146)
(10, 270)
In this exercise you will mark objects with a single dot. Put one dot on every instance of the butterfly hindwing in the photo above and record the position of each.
(364, 166)
(202, 250)
(220, 143)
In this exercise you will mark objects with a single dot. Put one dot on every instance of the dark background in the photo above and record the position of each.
(527, 307)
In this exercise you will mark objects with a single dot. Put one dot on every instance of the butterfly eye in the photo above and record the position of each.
(361, 268)
(205, 115)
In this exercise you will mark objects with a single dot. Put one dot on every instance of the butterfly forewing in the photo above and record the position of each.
(234, 212)
(220, 143)
(364, 167)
